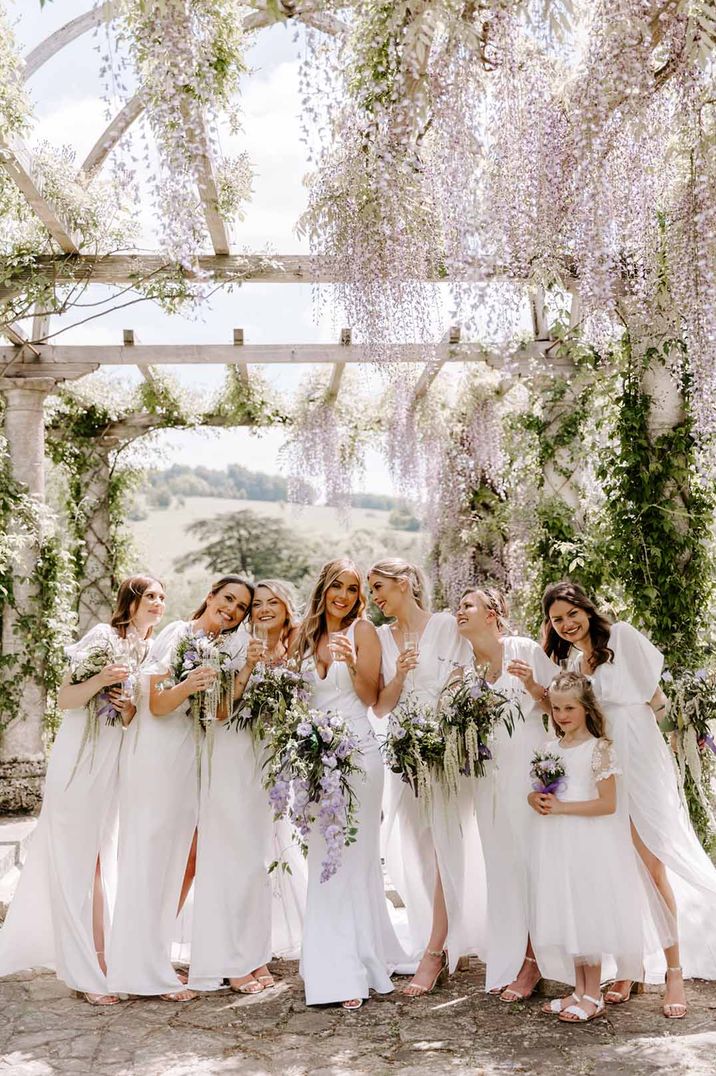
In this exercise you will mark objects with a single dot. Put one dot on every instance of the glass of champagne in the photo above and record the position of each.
(411, 642)
(334, 644)
(261, 633)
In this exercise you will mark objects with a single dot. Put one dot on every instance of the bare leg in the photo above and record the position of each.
(587, 986)
(432, 959)
(188, 873)
(527, 979)
(98, 917)
(675, 995)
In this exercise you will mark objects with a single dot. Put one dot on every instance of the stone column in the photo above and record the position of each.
(22, 753)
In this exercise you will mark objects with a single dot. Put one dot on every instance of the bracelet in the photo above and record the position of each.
(658, 709)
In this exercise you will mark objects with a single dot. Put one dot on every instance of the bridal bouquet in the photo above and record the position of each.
(312, 758)
(195, 650)
(691, 722)
(547, 772)
(414, 746)
(470, 712)
(269, 694)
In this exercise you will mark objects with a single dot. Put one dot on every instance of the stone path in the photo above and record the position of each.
(45, 1031)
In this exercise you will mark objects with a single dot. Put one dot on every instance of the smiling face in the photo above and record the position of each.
(228, 607)
(268, 611)
(567, 711)
(342, 595)
(148, 609)
(569, 621)
(473, 615)
(388, 594)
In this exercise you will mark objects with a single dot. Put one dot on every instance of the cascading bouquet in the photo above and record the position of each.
(547, 772)
(195, 650)
(691, 725)
(269, 694)
(312, 758)
(470, 713)
(414, 745)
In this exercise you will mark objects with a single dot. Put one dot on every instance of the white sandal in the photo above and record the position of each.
(580, 1014)
(555, 1006)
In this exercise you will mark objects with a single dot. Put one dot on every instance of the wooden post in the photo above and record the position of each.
(22, 755)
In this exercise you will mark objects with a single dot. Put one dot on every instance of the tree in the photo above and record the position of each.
(249, 544)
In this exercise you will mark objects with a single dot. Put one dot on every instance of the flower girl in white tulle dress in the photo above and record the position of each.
(582, 854)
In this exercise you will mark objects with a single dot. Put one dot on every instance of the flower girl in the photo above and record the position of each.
(582, 854)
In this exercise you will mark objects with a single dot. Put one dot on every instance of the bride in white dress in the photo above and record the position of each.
(59, 916)
(434, 859)
(158, 805)
(518, 668)
(242, 914)
(349, 946)
(625, 669)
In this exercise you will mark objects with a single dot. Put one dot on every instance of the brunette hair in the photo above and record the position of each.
(576, 684)
(128, 597)
(314, 622)
(219, 584)
(285, 593)
(397, 568)
(599, 626)
(495, 601)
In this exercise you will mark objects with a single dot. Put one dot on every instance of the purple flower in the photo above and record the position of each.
(326, 734)
(476, 691)
(304, 729)
(329, 761)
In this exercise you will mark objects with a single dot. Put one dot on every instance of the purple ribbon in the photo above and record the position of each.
(708, 741)
(553, 786)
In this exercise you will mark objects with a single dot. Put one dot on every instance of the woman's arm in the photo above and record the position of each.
(363, 664)
(389, 693)
(242, 676)
(75, 696)
(165, 702)
(606, 802)
(659, 704)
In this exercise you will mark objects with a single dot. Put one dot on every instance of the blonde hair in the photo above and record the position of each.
(396, 568)
(314, 622)
(581, 686)
(496, 602)
(286, 594)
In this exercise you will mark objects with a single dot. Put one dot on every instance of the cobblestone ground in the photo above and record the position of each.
(44, 1030)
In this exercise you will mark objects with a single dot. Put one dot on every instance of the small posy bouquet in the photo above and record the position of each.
(194, 651)
(268, 696)
(414, 746)
(470, 712)
(547, 772)
(691, 723)
(312, 760)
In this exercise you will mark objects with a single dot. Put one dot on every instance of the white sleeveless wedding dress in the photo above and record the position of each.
(349, 946)
(415, 838)
(49, 923)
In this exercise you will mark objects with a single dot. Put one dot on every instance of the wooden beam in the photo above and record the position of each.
(432, 369)
(68, 33)
(40, 325)
(147, 373)
(209, 193)
(16, 159)
(537, 309)
(339, 369)
(257, 268)
(28, 370)
(242, 368)
(112, 135)
(90, 355)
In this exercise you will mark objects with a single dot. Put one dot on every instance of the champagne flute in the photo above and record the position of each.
(334, 644)
(411, 642)
(261, 633)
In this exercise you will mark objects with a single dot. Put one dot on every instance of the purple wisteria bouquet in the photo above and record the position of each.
(414, 746)
(196, 650)
(312, 759)
(691, 726)
(269, 694)
(470, 713)
(547, 772)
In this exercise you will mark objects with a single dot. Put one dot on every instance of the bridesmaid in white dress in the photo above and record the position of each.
(519, 669)
(349, 946)
(158, 806)
(581, 850)
(434, 858)
(242, 914)
(58, 918)
(625, 669)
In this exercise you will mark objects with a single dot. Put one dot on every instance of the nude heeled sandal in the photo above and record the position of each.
(680, 1008)
(516, 996)
(415, 990)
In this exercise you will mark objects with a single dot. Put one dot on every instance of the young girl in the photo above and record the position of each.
(582, 854)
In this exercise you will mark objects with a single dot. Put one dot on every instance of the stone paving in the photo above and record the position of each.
(46, 1031)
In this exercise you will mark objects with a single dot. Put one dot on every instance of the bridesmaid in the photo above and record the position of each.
(158, 804)
(349, 947)
(434, 860)
(232, 935)
(625, 669)
(57, 918)
(518, 668)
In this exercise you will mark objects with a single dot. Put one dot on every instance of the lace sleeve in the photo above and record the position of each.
(604, 761)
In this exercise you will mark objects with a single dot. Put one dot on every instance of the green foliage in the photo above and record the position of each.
(250, 545)
(248, 402)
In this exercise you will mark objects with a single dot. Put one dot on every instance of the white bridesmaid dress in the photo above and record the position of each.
(49, 923)
(242, 915)
(592, 899)
(349, 946)
(504, 816)
(624, 687)
(447, 834)
(158, 812)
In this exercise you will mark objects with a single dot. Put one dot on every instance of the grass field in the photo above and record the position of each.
(162, 538)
